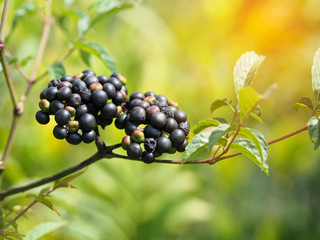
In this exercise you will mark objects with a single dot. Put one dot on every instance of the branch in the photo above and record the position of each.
(4, 19)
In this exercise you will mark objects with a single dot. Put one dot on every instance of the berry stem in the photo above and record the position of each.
(4, 19)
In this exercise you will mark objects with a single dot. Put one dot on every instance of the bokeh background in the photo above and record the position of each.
(185, 50)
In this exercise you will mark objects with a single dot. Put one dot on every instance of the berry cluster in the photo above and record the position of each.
(81, 102)
(155, 123)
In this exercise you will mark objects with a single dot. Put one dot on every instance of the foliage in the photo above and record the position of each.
(214, 139)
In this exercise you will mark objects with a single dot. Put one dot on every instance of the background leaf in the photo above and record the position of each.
(99, 52)
(83, 24)
(245, 69)
(56, 70)
(198, 142)
(85, 56)
(314, 132)
(205, 124)
(42, 229)
(24, 10)
(248, 148)
(315, 71)
(217, 133)
(248, 99)
(220, 103)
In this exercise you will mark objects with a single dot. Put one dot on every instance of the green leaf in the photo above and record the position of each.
(24, 10)
(67, 3)
(42, 229)
(64, 182)
(14, 234)
(56, 70)
(248, 100)
(47, 203)
(83, 24)
(245, 70)
(304, 102)
(248, 148)
(205, 124)
(314, 132)
(85, 56)
(256, 117)
(315, 71)
(220, 103)
(259, 141)
(99, 52)
(217, 134)
(198, 142)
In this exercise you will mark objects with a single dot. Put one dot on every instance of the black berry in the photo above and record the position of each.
(88, 137)
(177, 137)
(87, 122)
(59, 132)
(99, 98)
(164, 144)
(73, 138)
(134, 150)
(62, 117)
(147, 157)
(158, 120)
(109, 110)
(42, 118)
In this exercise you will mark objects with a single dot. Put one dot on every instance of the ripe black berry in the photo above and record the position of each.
(118, 99)
(43, 93)
(162, 98)
(73, 138)
(87, 122)
(151, 110)
(85, 95)
(145, 105)
(64, 84)
(171, 125)
(183, 146)
(103, 122)
(78, 86)
(103, 79)
(147, 157)
(74, 100)
(116, 83)
(64, 93)
(137, 95)
(89, 72)
(90, 80)
(82, 109)
(120, 121)
(54, 82)
(169, 111)
(109, 110)
(138, 115)
(110, 90)
(88, 137)
(149, 93)
(158, 120)
(51, 93)
(177, 137)
(42, 118)
(62, 117)
(59, 132)
(55, 106)
(129, 127)
(119, 76)
(180, 116)
(185, 127)
(66, 78)
(99, 98)
(151, 132)
(164, 145)
(134, 150)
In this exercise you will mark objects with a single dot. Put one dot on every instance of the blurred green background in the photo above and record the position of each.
(185, 50)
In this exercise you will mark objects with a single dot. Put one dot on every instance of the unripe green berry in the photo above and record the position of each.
(173, 103)
(71, 110)
(73, 126)
(95, 86)
(44, 105)
(137, 136)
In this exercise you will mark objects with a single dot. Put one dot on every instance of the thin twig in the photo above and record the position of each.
(4, 19)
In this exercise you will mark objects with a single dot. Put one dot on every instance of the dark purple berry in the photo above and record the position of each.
(138, 115)
(169, 111)
(180, 116)
(151, 132)
(78, 86)
(54, 82)
(120, 121)
(183, 146)
(162, 98)
(103, 79)
(171, 125)
(145, 105)
(42, 118)
(64, 93)
(177, 137)
(74, 100)
(110, 90)
(129, 127)
(158, 120)
(185, 127)
(151, 110)
(147, 157)
(62, 117)
(90, 80)
(150, 144)
(88, 71)
(149, 93)
(64, 84)
(87, 122)
(82, 109)
(109, 110)
(134, 150)
(99, 98)
(119, 76)
(162, 104)
(51, 93)
(125, 142)
(88, 137)
(164, 145)
(103, 122)
(116, 83)
(118, 98)
(136, 95)
(73, 138)
(43, 94)
(59, 132)
(55, 106)
(66, 78)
